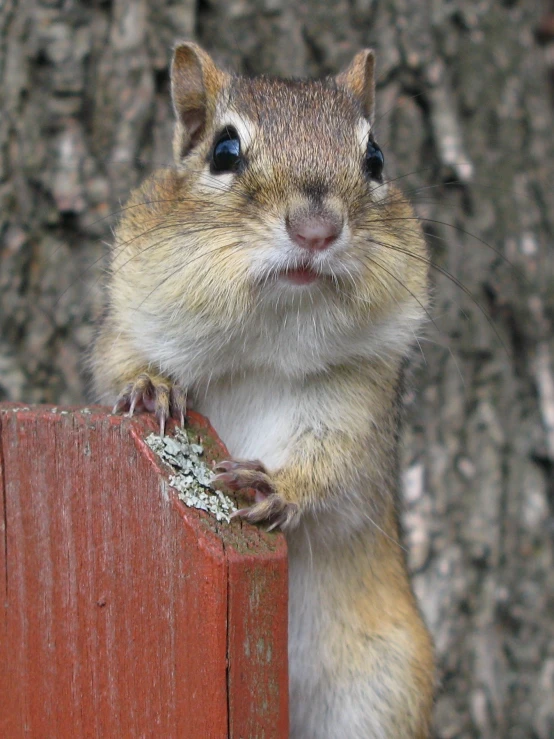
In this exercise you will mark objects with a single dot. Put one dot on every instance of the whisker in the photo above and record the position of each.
(186, 264)
(453, 279)
(460, 230)
(375, 261)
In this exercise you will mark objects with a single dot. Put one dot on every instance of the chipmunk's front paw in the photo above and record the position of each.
(156, 394)
(270, 507)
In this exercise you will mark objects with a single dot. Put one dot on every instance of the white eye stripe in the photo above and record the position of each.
(242, 125)
(380, 192)
(363, 129)
(209, 183)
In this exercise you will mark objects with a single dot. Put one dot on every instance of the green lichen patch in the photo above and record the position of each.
(192, 478)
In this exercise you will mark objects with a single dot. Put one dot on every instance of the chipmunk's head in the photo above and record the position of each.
(278, 200)
(292, 176)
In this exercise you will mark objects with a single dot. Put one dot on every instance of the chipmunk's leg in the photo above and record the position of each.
(122, 375)
(312, 477)
(154, 393)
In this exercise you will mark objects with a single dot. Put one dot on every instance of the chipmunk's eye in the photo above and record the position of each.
(226, 155)
(374, 161)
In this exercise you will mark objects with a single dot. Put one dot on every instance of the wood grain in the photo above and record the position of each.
(127, 614)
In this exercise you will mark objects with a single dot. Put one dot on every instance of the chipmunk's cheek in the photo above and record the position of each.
(210, 184)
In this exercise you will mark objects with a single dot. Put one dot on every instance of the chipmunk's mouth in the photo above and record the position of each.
(300, 275)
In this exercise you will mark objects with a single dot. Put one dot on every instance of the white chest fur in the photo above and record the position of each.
(255, 416)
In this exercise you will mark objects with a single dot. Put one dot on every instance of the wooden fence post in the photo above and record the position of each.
(125, 613)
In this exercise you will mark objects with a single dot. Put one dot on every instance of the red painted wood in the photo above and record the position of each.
(258, 665)
(125, 613)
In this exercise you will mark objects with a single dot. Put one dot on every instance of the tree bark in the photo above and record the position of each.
(465, 118)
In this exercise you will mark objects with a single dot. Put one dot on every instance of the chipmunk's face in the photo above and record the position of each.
(298, 162)
(292, 178)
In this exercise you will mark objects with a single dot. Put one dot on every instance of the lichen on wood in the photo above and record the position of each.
(193, 477)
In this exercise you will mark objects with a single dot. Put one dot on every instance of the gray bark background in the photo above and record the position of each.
(465, 106)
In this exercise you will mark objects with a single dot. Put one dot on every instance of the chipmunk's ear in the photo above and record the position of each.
(196, 83)
(359, 79)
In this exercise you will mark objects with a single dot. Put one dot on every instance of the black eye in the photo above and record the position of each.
(374, 161)
(226, 153)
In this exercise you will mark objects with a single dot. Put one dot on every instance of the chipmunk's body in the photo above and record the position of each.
(274, 279)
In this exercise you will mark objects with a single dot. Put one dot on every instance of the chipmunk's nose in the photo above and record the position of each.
(315, 233)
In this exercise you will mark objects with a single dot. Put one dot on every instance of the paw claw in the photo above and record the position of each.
(178, 403)
(224, 466)
(234, 464)
(156, 394)
(274, 511)
(132, 406)
(120, 405)
(225, 479)
(269, 507)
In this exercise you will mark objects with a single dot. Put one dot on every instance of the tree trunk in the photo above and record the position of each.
(465, 118)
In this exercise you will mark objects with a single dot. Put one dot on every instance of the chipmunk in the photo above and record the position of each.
(276, 280)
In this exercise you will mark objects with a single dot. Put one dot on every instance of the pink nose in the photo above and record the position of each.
(315, 233)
